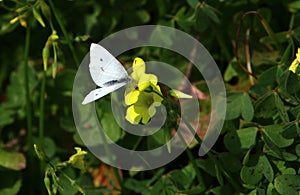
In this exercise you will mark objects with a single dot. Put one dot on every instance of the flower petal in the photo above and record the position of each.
(294, 65)
(138, 68)
(132, 116)
(146, 80)
(131, 97)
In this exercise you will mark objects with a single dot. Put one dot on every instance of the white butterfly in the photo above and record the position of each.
(106, 71)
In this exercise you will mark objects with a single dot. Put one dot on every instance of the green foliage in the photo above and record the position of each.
(42, 43)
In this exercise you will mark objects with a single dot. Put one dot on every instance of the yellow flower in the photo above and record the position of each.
(295, 64)
(143, 100)
(144, 108)
(76, 160)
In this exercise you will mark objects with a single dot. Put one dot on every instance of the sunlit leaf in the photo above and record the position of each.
(12, 160)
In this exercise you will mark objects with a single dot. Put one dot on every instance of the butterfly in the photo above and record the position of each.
(106, 71)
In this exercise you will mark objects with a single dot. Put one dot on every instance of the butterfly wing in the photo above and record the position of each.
(104, 67)
(100, 92)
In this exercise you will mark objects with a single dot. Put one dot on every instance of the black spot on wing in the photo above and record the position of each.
(109, 83)
(112, 82)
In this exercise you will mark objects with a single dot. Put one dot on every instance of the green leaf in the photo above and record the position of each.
(289, 85)
(67, 124)
(158, 138)
(270, 148)
(65, 186)
(230, 162)
(294, 5)
(140, 186)
(6, 116)
(65, 80)
(247, 108)
(207, 165)
(251, 175)
(286, 56)
(241, 139)
(230, 72)
(289, 156)
(139, 16)
(163, 186)
(219, 175)
(143, 16)
(211, 13)
(183, 20)
(137, 186)
(202, 21)
(49, 147)
(257, 191)
(224, 189)
(280, 36)
(45, 10)
(274, 133)
(111, 127)
(280, 108)
(271, 190)
(38, 16)
(288, 171)
(265, 106)
(239, 104)
(287, 184)
(159, 36)
(12, 160)
(268, 77)
(193, 3)
(189, 172)
(6, 25)
(11, 182)
(267, 169)
(15, 93)
(298, 150)
(77, 139)
(180, 180)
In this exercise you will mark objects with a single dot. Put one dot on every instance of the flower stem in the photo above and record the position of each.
(42, 104)
(64, 31)
(28, 173)
(27, 90)
(192, 130)
(192, 160)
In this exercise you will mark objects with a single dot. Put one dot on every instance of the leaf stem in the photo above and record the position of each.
(192, 160)
(27, 91)
(118, 178)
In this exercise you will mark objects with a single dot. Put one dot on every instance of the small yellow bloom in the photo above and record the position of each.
(144, 108)
(295, 64)
(138, 68)
(144, 99)
(14, 20)
(76, 160)
(23, 22)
